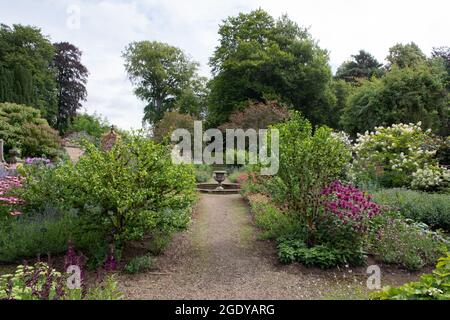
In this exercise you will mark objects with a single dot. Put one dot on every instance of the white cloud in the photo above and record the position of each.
(107, 26)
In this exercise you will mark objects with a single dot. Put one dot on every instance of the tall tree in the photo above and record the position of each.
(71, 76)
(262, 59)
(405, 55)
(403, 95)
(362, 66)
(26, 72)
(161, 73)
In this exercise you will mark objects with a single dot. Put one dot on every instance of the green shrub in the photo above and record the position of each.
(434, 286)
(406, 243)
(273, 222)
(307, 164)
(92, 125)
(233, 177)
(22, 127)
(322, 256)
(139, 264)
(432, 209)
(203, 173)
(122, 194)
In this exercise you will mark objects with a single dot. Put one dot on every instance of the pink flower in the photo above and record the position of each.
(350, 204)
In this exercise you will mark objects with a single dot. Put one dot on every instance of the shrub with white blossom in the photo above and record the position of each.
(431, 177)
(392, 155)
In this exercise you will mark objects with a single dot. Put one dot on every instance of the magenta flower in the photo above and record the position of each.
(349, 204)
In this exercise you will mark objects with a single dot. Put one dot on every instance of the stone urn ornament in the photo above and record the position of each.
(219, 176)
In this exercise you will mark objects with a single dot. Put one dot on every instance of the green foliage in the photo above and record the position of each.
(432, 209)
(170, 122)
(139, 264)
(203, 173)
(273, 222)
(193, 98)
(94, 124)
(402, 95)
(22, 127)
(434, 286)
(405, 55)
(362, 66)
(121, 194)
(308, 163)
(41, 282)
(259, 59)
(26, 75)
(403, 242)
(234, 176)
(294, 250)
(161, 74)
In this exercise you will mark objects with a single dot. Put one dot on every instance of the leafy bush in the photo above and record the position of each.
(22, 127)
(405, 243)
(139, 264)
(403, 95)
(395, 155)
(432, 209)
(308, 163)
(291, 250)
(434, 286)
(203, 173)
(240, 174)
(236, 175)
(119, 195)
(273, 222)
(92, 125)
(41, 282)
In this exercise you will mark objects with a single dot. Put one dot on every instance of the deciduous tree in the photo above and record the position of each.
(26, 73)
(260, 58)
(71, 76)
(161, 74)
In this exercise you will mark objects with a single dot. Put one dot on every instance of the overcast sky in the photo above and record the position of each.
(107, 26)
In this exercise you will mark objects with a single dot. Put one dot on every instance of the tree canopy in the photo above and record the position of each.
(161, 74)
(362, 66)
(26, 72)
(403, 95)
(260, 58)
(405, 55)
(71, 77)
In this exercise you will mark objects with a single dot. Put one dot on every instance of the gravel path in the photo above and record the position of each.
(220, 257)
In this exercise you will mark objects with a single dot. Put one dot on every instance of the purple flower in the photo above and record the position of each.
(350, 204)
